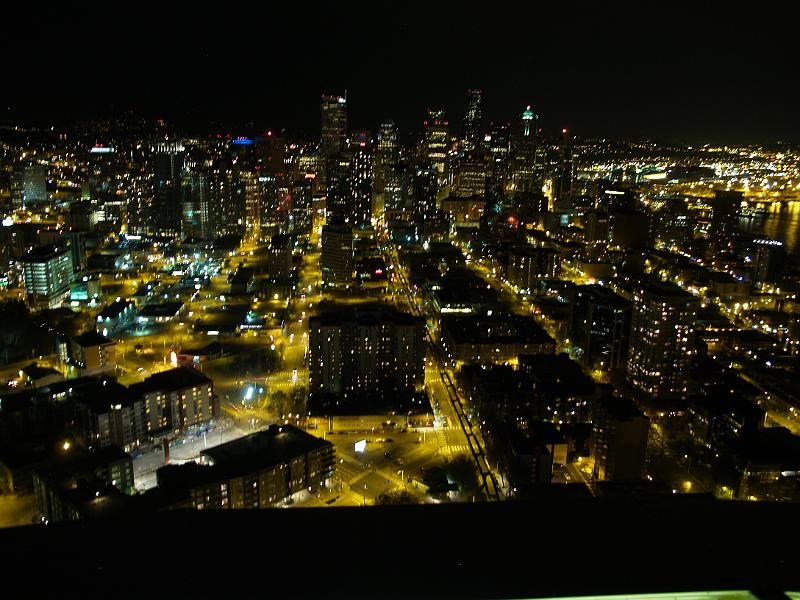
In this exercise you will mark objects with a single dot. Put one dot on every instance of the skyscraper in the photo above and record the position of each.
(473, 117)
(338, 190)
(525, 169)
(336, 259)
(563, 182)
(167, 196)
(361, 175)
(724, 220)
(436, 141)
(386, 155)
(334, 125)
(662, 339)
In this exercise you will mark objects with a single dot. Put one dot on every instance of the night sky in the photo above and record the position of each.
(676, 73)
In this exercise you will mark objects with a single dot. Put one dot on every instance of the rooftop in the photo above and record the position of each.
(172, 380)
(91, 338)
(258, 451)
(500, 328)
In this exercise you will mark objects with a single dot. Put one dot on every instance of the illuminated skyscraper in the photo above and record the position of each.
(361, 179)
(724, 220)
(563, 182)
(525, 174)
(167, 196)
(386, 154)
(336, 259)
(334, 125)
(437, 139)
(473, 130)
(662, 339)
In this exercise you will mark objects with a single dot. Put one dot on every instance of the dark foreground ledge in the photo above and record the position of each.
(551, 547)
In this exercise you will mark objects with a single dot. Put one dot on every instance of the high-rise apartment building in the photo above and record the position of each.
(662, 339)
(601, 327)
(367, 351)
(619, 440)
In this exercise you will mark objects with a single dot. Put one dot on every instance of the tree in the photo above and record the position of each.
(394, 497)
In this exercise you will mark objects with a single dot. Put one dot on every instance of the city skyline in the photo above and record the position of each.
(492, 302)
(616, 73)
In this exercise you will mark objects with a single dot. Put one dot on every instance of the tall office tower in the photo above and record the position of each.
(361, 179)
(252, 199)
(662, 339)
(768, 258)
(525, 174)
(366, 353)
(338, 203)
(563, 183)
(473, 120)
(34, 184)
(500, 152)
(601, 327)
(47, 272)
(437, 139)
(197, 217)
(424, 187)
(336, 260)
(724, 220)
(227, 201)
(619, 440)
(470, 176)
(271, 153)
(396, 196)
(334, 125)
(302, 215)
(167, 196)
(386, 154)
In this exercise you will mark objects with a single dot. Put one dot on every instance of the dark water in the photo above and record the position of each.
(782, 222)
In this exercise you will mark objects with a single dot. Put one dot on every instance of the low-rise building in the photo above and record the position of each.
(115, 317)
(257, 471)
(64, 485)
(92, 354)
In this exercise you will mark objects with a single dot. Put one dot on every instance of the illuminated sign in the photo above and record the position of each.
(760, 242)
(655, 176)
(239, 141)
(8, 222)
(101, 150)
(360, 445)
